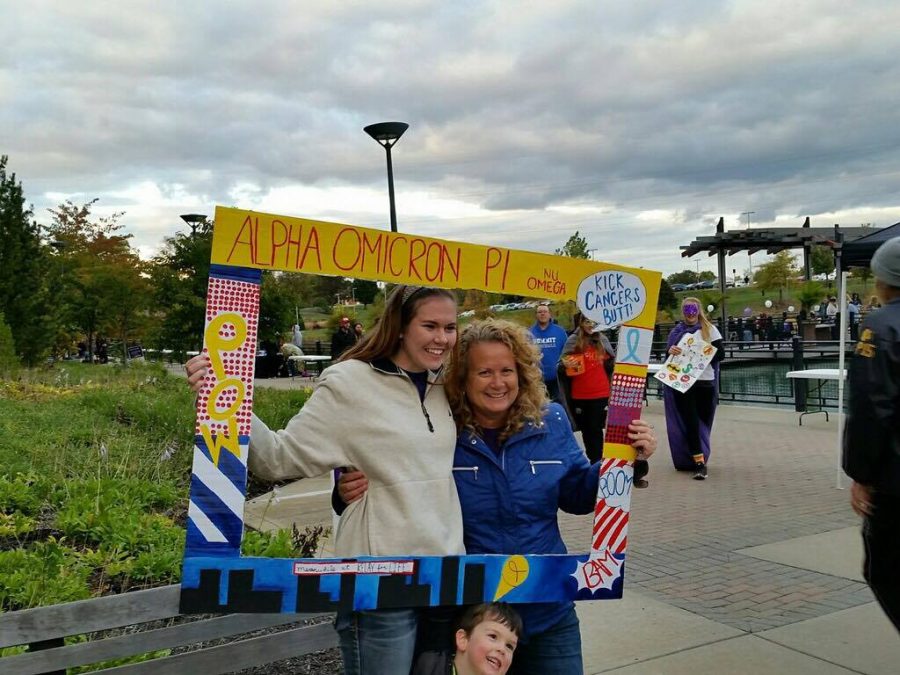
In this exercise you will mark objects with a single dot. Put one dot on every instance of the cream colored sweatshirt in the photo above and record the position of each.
(373, 420)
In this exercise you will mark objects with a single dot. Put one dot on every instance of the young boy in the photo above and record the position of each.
(485, 641)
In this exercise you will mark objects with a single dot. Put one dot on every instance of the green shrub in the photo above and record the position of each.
(115, 513)
(48, 573)
(15, 525)
(23, 492)
(276, 544)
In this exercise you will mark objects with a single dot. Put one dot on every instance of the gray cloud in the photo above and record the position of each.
(659, 116)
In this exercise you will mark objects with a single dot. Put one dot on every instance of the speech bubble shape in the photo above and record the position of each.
(615, 487)
(599, 571)
(611, 298)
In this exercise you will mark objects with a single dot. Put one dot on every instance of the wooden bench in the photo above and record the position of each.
(44, 629)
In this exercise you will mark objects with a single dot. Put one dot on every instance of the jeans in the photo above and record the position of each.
(379, 642)
(555, 651)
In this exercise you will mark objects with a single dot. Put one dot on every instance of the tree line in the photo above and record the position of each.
(80, 277)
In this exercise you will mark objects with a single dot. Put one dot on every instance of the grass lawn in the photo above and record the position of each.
(97, 463)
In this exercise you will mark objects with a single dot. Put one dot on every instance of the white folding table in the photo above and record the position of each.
(318, 359)
(821, 376)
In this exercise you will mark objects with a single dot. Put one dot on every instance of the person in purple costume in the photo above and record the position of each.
(690, 414)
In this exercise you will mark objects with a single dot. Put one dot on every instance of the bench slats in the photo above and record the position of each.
(239, 655)
(142, 642)
(88, 616)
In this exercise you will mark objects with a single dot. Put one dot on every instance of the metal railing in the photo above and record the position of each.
(756, 373)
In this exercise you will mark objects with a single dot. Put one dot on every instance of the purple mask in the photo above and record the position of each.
(691, 310)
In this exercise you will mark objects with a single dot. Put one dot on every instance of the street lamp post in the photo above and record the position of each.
(387, 134)
(193, 219)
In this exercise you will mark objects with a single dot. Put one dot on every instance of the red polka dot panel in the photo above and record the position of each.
(232, 310)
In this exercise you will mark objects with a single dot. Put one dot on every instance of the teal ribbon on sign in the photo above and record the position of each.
(632, 341)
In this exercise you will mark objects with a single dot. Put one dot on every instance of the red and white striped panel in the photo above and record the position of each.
(611, 521)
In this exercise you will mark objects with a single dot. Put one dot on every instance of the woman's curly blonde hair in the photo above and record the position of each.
(532, 399)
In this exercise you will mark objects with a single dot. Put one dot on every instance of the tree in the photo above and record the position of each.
(706, 275)
(575, 247)
(8, 359)
(125, 299)
(330, 290)
(776, 273)
(180, 276)
(276, 308)
(667, 298)
(23, 271)
(683, 277)
(864, 273)
(821, 259)
(809, 294)
(364, 291)
(102, 284)
(301, 287)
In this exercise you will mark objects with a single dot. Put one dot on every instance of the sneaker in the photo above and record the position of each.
(700, 472)
(641, 483)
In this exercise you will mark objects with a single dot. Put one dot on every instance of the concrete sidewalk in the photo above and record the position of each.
(756, 570)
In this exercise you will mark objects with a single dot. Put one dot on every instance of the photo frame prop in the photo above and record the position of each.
(217, 579)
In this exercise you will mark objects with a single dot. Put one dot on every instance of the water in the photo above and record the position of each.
(765, 383)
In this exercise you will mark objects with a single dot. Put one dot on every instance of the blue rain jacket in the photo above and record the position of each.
(510, 501)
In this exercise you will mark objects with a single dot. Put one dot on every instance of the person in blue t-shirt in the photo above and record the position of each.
(550, 338)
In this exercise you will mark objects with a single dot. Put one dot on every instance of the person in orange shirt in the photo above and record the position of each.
(588, 359)
(585, 370)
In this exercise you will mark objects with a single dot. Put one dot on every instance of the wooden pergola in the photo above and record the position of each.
(772, 240)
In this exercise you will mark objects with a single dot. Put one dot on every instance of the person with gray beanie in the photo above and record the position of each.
(871, 455)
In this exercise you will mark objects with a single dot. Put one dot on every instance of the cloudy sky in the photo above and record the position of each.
(636, 123)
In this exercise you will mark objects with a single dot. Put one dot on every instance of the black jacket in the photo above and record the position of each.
(341, 341)
(872, 433)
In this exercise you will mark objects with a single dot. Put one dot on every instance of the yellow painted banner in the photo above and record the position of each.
(610, 294)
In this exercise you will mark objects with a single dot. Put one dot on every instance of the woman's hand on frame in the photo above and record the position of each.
(196, 369)
(642, 438)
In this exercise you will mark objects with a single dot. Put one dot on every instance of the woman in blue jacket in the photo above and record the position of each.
(516, 464)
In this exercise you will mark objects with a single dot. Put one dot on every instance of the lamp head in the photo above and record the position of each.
(386, 133)
(193, 219)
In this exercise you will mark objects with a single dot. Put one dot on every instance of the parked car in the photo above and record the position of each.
(709, 283)
(679, 287)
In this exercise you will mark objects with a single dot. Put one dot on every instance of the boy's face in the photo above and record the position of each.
(487, 651)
